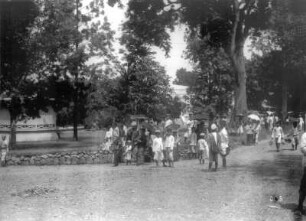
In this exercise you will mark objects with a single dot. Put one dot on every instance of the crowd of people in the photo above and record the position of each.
(148, 141)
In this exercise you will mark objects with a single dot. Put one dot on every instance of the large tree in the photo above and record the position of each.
(279, 71)
(68, 34)
(19, 93)
(225, 24)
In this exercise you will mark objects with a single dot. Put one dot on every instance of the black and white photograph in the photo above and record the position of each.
(152, 110)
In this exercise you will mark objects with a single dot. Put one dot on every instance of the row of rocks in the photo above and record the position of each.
(77, 157)
(62, 158)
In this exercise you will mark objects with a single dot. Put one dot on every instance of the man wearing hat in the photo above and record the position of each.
(214, 143)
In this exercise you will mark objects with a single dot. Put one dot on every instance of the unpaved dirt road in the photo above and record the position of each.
(186, 192)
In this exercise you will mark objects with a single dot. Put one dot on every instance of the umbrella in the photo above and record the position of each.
(173, 126)
(254, 117)
(147, 126)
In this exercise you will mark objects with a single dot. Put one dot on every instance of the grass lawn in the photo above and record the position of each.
(88, 140)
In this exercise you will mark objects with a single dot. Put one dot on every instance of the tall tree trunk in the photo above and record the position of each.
(76, 93)
(13, 132)
(284, 97)
(75, 117)
(240, 93)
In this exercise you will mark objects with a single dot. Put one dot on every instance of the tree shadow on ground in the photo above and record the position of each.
(292, 207)
(283, 167)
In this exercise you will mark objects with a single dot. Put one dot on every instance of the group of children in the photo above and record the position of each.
(163, 151)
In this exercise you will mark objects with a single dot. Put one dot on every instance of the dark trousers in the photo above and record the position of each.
(140, 155)
(301, 200)
(277, 144)
(296, 142)
(116, 157)
(302, 191)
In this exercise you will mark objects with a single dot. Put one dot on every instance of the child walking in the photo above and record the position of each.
(128, 152)
(158, 148)
(203, 149)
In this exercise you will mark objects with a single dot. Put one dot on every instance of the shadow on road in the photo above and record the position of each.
(282, 167)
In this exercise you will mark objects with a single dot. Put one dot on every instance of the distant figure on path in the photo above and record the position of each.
(4, 145)
(295, 136)
(214, 143)
(277, 135)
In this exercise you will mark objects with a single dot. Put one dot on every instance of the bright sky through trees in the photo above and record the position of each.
(175, 61)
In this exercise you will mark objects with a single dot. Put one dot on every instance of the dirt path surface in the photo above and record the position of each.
(186, 192)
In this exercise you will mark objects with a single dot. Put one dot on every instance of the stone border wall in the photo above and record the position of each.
(76, 157)
(61, 158)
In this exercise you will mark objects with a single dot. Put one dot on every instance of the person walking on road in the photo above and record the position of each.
(203, 149)
(277, 135)
(295, 135)
(214, 143)
(157, 148)
(224, 151)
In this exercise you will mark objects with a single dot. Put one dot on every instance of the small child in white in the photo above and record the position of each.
(128, 152)
(203, 149)
(158, 148)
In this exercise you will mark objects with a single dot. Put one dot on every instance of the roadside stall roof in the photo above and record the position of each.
(138, 117)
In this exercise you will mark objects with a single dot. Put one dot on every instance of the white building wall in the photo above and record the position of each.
(38, 129)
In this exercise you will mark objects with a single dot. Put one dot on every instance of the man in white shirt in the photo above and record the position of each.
(301, 123)
(277, 135)
(169, 145)
(157, 148)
